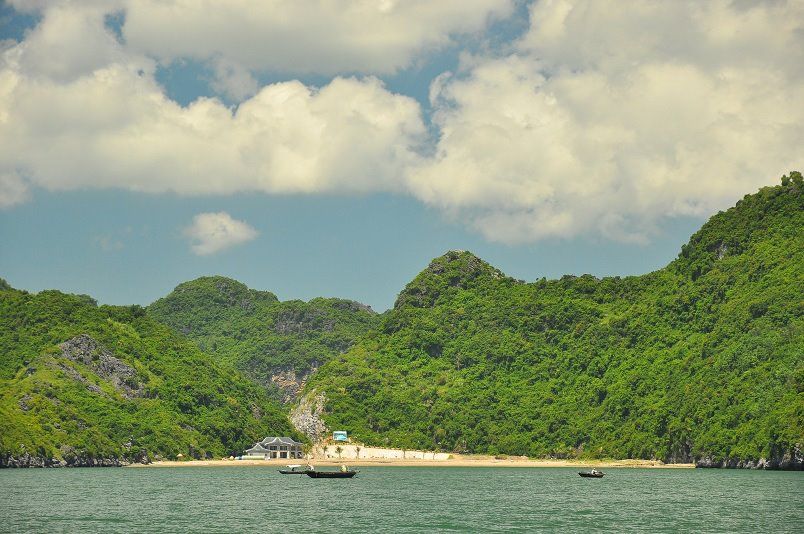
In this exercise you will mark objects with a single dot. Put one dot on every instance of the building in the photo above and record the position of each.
(275, 447)
(339, 435)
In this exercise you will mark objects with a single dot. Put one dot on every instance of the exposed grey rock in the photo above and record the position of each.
(352, 305)
(291, 383)
(23, 402)
(790, 460)
(71, 458)
(84, 349)
(306, 416)
(27, 460)
(300, 321)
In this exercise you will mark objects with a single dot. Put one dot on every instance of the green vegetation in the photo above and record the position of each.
(260, 335)
(700, 359)
(81, 382)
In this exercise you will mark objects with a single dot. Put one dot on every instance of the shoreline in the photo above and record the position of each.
(455, 461)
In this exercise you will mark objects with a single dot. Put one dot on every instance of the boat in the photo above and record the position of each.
(293, 470)
(594, 473)
(330, 474)
(342, 473)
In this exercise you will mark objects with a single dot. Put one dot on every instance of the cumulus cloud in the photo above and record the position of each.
(69, 42)
(13, 190)
(327, 37)
(211, 233)
(599, 120)
(318, 36)
(104, 121)
(605, 120)
(232, 80)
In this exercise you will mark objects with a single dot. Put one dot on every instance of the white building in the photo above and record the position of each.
(274, 447)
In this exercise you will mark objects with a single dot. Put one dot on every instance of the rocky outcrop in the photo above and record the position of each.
(299, 321)
(351, 305)
(306, 416)
(79, 460)
(792, 460)
(24, 402)
(290, 383)
(85, 350)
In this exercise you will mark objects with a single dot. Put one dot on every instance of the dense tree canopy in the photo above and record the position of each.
(256, 332)
(700, 359)
(79, 380)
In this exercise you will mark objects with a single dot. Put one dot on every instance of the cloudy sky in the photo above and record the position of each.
(333, 147)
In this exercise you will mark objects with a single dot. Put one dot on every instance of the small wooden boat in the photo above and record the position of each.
(330, 474)
(293, 470)
(594, 473)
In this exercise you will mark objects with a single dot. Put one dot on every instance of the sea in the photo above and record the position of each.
(399, 499)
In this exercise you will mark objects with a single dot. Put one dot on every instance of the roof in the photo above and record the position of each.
(257, 448)
(275, 440)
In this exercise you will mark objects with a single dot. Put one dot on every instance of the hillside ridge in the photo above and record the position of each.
(697, 362)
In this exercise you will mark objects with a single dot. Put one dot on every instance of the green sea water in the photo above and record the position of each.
(399, 499)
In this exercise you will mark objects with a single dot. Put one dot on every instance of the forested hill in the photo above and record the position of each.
(87, 385)
(275, 343)
(699, 361)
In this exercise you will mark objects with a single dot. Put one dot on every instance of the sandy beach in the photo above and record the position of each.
(457, 460)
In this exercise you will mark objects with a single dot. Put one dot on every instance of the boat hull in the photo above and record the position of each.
(591, 475)
(287, 472)
(330, 474)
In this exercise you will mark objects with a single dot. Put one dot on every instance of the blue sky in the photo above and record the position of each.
(128, 248)
(337, 158)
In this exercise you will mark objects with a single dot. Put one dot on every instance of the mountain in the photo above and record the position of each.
(277, 344)
(82, 384)
(699, 361)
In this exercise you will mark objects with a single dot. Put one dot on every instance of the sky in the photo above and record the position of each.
(333, 148)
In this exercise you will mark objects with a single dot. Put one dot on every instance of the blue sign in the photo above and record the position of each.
(339, 435)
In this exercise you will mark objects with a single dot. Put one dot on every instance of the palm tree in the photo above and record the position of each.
(339, 450)
(357, 452)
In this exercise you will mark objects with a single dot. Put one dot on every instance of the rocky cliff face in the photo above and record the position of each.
(290, 383)
(792, 460)
(85, 350)
(306, 416)
(73, 460)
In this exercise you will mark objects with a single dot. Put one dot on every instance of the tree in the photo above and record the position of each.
(338, 451)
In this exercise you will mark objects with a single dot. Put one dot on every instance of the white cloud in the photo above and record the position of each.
(321, 36)
(13, 190)
(211, 233)
(599, 120)
(605, 120)
(68, 43)
(233, 80)
(111, 125)
(297, 36)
